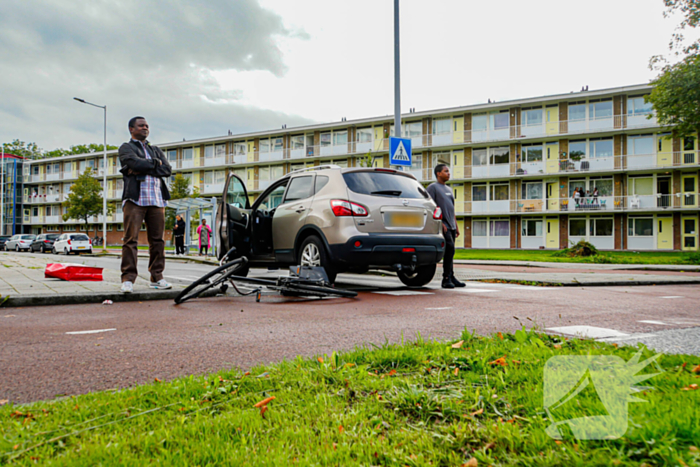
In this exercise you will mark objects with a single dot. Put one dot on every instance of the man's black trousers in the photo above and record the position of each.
(448, 259)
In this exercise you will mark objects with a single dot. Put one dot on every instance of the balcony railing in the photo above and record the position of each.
(597, 205)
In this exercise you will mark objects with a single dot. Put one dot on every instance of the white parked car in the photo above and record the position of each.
(19, 242)
(72, 243)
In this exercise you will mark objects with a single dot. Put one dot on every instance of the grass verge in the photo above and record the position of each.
(474, 402)
(614, 257)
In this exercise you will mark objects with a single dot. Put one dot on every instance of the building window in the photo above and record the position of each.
(120, 227)
(220, 177)
(532, 153)
(442, 126)
(577, 150)
(172, 155)
(413, 129)
(340, 138)
(479, 157)
(532, 116)
(499, 120)
(264, 146)
(239, 149)
(600, 148)
(499, 155)
(188, 154)
(532, 190)
(208, 177)
(326, 139)
(35, 211)
(479, 192)
(48, 168)
(637, 106)
(532, 228)
(480, 122)
(277, 144)
(641, 227)
(364, 135)
(209, 152)
(574, 183)
(604, 185)
(641, 186)
(297, 142)
(640, 145)
(499, 228)
(52, 228)
(220, 150)
(499, 192)
(601, 227)
(689, 143)
(577, 227)
(599, 109)
(479, 228)
(577, 111)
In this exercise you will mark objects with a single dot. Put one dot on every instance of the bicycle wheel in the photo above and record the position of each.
(217, 277)
(316, 291)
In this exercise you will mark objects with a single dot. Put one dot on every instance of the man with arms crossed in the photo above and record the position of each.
(143, 201)
(443, 197)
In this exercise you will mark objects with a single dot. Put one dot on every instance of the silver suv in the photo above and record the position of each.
(352, 219)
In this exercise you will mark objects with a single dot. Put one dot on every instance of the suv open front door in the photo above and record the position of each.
(233, 218)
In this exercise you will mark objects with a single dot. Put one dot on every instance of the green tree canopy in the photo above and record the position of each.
(20, 148)
(85, 199)
(676, 93)
(179, 189)
(78, 149)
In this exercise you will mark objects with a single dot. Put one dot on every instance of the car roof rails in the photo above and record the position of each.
(318, 167)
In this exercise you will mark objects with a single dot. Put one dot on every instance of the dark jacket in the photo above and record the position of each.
(132, 158)
(179, 228)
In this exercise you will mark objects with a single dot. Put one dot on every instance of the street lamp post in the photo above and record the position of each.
(2, 191)
(104, 173)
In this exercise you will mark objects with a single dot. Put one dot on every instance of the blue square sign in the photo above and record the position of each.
(400, 151)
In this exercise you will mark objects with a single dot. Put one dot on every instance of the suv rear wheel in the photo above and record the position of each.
(419, 277)
(313, 253)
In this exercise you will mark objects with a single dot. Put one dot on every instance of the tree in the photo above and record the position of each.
(20, 148)
(78, 149)
(676, 93)
(85, 199)
(179, 189)
(676, 97)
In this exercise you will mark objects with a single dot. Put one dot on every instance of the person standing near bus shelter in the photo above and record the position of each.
(443, 197)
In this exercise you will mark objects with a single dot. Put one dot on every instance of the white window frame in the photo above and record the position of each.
(631, 224)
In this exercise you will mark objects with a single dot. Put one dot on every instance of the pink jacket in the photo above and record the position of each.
(206, 234)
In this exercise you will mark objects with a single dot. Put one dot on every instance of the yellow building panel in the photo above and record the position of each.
(459, 241)
(458, 127)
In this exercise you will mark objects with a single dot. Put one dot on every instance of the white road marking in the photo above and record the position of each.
(651, 321)
(626, 338)
(440, 308)
(588, 331)
(92, 332)
(398, 293)
(475, 290)
(528, 287)
(672, 296)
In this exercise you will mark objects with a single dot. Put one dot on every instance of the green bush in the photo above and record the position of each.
(693, 258)
(582, 249)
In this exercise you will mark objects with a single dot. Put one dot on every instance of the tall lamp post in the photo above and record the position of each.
(2, 191)
(104, 173)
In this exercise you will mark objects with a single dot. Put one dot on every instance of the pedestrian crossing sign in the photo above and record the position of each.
(400, 151)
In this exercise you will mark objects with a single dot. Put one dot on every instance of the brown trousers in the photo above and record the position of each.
(154, 218)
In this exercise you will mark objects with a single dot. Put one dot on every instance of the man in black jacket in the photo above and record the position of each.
(143, 201)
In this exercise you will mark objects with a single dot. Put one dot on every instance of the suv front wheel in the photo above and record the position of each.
(313, 253)
(419, 277)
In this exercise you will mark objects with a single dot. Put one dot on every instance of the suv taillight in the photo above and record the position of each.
(437, 214)
(342, 208)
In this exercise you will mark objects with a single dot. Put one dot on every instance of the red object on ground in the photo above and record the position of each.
(73, 272)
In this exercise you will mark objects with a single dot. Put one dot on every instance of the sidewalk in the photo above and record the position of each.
(587, 266)
(22, 283)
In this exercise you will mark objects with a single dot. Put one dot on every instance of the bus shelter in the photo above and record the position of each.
(188, 206)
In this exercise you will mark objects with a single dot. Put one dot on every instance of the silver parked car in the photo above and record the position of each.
(19, 242)
(344, 219)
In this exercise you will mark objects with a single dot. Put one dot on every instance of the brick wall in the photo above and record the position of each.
(467, 162)
(563, 117)
(564, 231)
(514, 232)
(618, 231)
(467, 232)
(514, 122)
(677, 227)
(427, 131)
(467, 128)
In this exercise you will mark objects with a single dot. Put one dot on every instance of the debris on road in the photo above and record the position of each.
(73, 272)
(108, 302)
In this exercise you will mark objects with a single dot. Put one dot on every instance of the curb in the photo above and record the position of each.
(90, 297)
(594, 284)
(550, 265)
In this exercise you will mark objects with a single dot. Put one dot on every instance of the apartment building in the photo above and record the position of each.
(515, 167)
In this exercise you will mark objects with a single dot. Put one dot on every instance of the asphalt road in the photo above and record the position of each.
(45, 352)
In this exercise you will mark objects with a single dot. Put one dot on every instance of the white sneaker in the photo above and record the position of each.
(161, 284)
(127, 287)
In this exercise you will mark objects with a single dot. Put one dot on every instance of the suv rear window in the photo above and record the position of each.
(80, 238)
(384, 184)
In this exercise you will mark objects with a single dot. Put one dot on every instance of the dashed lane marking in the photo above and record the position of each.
(399, 293)
(672, 296)
(96, 331)
(651, 321)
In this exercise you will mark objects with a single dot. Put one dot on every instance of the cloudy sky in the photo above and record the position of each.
(198, 68)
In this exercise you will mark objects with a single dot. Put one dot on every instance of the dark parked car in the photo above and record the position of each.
(3, 240)
(43, 243)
